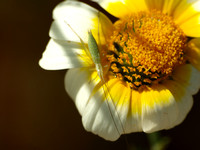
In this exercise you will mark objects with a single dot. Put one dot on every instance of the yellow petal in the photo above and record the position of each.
(136, 5)
(101, 28)
(136, 103)
(192, 26)
(185, 10)
(169, 6)
(133, 122)
(157, 95)
(155, 4)
(116, 100)
(193, 52)
(115, 7)
(127, 105)
(118, 91)
(187, 15)
(176, 89)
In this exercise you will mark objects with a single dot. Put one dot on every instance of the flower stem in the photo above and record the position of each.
(157, 141)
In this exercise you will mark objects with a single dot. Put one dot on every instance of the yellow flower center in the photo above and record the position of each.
(145, 48)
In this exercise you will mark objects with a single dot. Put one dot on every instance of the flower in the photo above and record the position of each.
(150, 58)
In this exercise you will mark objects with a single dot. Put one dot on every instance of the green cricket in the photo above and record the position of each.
(93, 51)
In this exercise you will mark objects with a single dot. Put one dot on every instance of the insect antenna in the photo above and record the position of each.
(82, 42)
(106, 90)
(93, 51)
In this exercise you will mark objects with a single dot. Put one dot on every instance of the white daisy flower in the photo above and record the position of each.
(150, 60)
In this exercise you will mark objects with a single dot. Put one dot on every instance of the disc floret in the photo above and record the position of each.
(145, 48)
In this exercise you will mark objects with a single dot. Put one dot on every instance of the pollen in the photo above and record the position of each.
(145, 48)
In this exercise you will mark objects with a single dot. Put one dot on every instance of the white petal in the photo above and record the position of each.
(103, 118)
(162, 114)
(97, 119)
(184, 101)
(120, 96)
(69, 9)
(133, 124)
(79, 86)
(167, 115)
(63, 55)
(189, 76)
(99, 115)
(72, 15)
(194, 81)
(184, 107)
(134, 119)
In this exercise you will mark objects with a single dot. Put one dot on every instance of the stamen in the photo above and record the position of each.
(145, 48)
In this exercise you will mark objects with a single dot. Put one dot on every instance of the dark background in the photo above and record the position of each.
(35, 111)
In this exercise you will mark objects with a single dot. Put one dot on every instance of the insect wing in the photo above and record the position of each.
(95, 53)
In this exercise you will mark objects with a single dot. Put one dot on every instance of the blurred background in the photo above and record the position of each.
(35, 111)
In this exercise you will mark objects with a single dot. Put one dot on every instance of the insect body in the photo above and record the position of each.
(94, 52)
